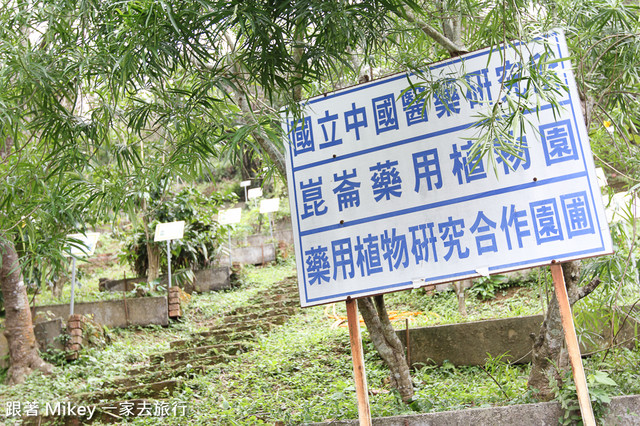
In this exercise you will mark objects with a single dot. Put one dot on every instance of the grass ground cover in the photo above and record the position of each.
(301, 371)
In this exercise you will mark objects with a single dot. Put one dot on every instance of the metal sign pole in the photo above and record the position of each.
(73, 284)
(169, 262)
(572, 345)
(360, 377)
(270, 227)
(230, 262)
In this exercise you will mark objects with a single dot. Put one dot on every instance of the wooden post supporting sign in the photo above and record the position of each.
(362, 392)
(572, 345)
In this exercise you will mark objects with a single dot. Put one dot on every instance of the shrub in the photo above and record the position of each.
(203, 236)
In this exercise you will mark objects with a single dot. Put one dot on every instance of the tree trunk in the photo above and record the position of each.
(249, 165)
(380, 329)
(549, 358)
(451, 24)
(548, 345)
(387, 344)
(58, 285)
(153, 254)
(23, 349)
(248, 118)
(460, 287)
(60, 280)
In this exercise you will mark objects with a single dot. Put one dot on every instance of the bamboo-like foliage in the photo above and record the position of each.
(100, 100)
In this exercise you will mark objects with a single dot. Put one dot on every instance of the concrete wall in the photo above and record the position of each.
(469, 343)
(257, 249)
(284, 235)
(623, 411)
(47, 332)
(212, 279)
(140, 311)
(205, 280)
(251, 255)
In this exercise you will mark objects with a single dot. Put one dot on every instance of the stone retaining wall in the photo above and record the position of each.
(257, 249)
(469, 343)
(623, 411)
(47, 333)
(206, 280)
(213, 279)
(115, 313)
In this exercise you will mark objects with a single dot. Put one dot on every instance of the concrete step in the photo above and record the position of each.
(252, 325)
(234, 322)
(229, 333)
(231, 348)
(226, 337)
(147, 390)
(205, 361)
(216, 330)
(185, 370)
(213, 340)
(278, 296)
(275, 304)
(258, 314)
(253, 308)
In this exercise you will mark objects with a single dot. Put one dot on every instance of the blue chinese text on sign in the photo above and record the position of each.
(385, 195)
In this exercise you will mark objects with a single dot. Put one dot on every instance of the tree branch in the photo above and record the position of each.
(453, 48)
(586, 290)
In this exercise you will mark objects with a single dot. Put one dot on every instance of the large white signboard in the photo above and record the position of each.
(254, 193)
(383, 196)
(85, 246)
(230, 216)
(269, 205)
(169, 231)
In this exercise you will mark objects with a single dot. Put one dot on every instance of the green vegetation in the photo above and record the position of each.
(202, 240)
(107, 107)
(103, 264)
(302, 371)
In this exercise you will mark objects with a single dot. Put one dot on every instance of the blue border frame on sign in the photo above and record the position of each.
(424, 207)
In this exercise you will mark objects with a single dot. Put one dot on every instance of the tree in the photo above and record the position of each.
(604, 37)
(445, 28)
(65, 120)
(22, 342)
(85, 85)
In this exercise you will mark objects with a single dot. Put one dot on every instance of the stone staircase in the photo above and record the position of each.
(223, 339)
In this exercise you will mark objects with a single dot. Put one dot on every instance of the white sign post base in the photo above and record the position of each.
(166, 232)
(169, 262)
(73, 284)
(270, 225)
(85, 247)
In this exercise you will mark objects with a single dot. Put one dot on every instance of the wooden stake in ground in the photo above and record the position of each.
(362, 391)
(572, 345)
